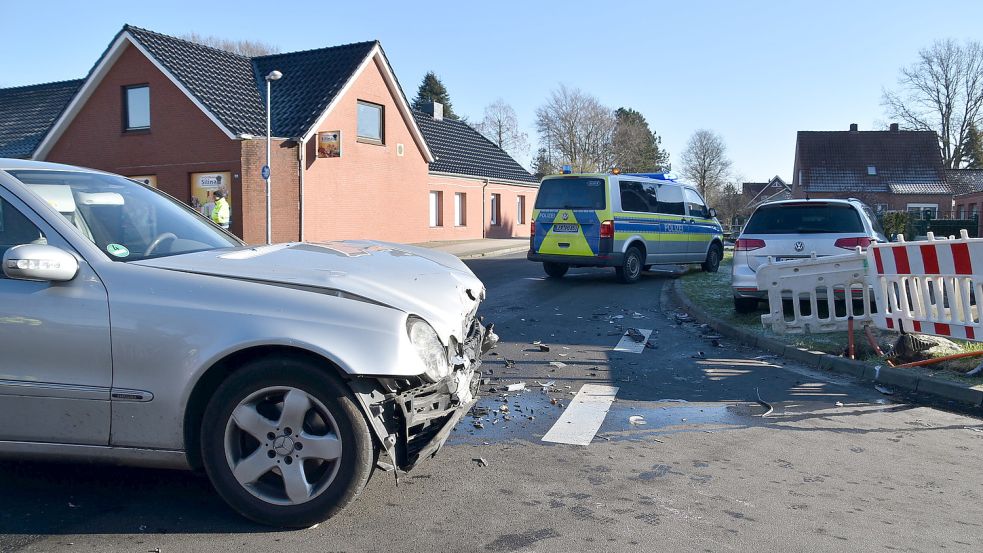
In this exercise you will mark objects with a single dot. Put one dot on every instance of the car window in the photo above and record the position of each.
(16, 229)
(874, 221)
(697, 208)
(571, 193)
(671, 200)
(127, 220)
(804, 218)
(637, 196)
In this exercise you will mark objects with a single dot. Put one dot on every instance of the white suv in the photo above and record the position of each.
(793, 229)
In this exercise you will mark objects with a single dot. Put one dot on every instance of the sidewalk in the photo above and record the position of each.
(482, 247)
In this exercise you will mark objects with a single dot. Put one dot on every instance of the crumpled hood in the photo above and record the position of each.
(433, 285)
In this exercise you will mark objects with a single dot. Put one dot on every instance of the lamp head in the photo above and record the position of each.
(274, 75)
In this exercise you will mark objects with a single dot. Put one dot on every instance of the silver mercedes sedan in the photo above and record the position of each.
(135, 331)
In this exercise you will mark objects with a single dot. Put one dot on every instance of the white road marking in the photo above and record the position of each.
(626, 344)
(583, 416)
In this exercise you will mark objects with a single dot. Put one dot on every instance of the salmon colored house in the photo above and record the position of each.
(350, 159)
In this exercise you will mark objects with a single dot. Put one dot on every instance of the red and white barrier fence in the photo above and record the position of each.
(929, 287)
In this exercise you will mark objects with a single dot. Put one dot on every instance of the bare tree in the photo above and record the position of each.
(705, 162)
(501, 125)
(941, 92)
(243, 47)
(576, 129)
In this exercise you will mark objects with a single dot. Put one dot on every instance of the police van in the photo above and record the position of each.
(626, 221)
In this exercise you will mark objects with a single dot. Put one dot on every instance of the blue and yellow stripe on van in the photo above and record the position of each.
(666, 228)
(585, 242)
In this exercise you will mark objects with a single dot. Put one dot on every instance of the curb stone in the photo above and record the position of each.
(495, 253)
(899, 378)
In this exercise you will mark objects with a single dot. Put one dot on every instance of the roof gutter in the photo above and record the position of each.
(301, 147)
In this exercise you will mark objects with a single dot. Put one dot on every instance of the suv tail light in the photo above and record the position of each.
(850, 243)
(532, 234)
(748, 244)
(607, 229)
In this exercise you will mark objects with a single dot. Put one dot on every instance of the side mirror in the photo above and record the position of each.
(39, 262)
(713, 213)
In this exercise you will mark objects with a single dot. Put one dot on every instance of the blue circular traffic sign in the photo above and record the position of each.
(266, 171)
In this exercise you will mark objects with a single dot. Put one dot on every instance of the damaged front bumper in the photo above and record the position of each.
(412, 419)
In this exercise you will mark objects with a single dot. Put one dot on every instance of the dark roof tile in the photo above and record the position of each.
(27, 112)
(462, 150)
(965, 181)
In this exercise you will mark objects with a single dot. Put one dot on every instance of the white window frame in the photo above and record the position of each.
(460, 210)
(496, 199)
(435, 209)
(520, 209)
(127, 126)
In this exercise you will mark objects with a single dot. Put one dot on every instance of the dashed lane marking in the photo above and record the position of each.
(583, 416)
(627, 344)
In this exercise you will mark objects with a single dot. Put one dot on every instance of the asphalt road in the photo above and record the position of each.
(705, 473)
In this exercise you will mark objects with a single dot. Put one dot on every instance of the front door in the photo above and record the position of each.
(55, 358)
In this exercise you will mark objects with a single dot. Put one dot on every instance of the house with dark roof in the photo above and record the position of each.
(348, 157)
(892, 170)
(968, 187)
(469, 167)
(754, 194)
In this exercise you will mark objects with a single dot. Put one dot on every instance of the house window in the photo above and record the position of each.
(880, 208)
(974, 211)
(460, 209)
(370, 122)
(436, 209)
(924, 211)
(520, 207)
(136, 107)
(871, 170)
(496, 209)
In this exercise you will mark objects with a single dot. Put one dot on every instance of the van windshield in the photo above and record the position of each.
(804, 219)
(571, 193)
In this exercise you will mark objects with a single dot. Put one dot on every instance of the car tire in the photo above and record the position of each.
(712, 262)
(555, 270)
(250, 425)
(631, 270)
(745, 305)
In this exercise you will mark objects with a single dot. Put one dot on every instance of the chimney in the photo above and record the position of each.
(436, 109)
(853, 127)
(894, 127)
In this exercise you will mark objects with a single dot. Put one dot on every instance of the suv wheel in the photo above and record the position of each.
(555, 270)
(631, 271)
(284, 443)
(745, 305)
(714, 256)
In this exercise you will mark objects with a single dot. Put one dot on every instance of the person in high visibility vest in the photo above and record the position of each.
(221, 211)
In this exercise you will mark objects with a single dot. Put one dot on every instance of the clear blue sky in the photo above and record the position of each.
(753, 71)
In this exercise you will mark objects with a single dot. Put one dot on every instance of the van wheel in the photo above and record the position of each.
(631, 271)
(712, 263)
(284, 443)
(745, 305)
(555, 270)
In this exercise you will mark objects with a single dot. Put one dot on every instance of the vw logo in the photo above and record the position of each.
(566, 216)
(799, 246)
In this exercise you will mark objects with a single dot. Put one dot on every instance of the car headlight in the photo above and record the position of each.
(428, 347)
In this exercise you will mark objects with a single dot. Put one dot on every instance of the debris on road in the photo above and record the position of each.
(558, 364)
(635, 335)
(509, 363)
(481, 461)
(883, 390)
(765, 357)
(651, 345)
(764, 403)
(839, 404)
(544, 348)
(699, 355)
(547, 384)
(637, 420)
(478, 424)
(516, 387)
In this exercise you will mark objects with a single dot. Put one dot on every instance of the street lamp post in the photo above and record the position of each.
(273, 76)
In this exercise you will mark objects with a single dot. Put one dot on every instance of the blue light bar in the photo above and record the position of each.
(567, 169)
(656, 176)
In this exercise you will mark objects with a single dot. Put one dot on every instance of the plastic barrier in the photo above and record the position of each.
(816, 288)
(930, 286)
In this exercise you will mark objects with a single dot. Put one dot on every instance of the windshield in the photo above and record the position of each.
(571, 193)
(128, 221)
(805, 219)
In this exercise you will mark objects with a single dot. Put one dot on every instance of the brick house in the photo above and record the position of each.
(890, 170)
(472, 179)
(754, 194)
(968, 186)
(348, 157)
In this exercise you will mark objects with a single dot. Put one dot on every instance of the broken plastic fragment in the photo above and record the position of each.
(481, 461)
(883, 390)
(637, 420)
(516, 387)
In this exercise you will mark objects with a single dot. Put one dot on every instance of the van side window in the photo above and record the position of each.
(16, 229)
(671, 200)
(633, 197)
(697, 208)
